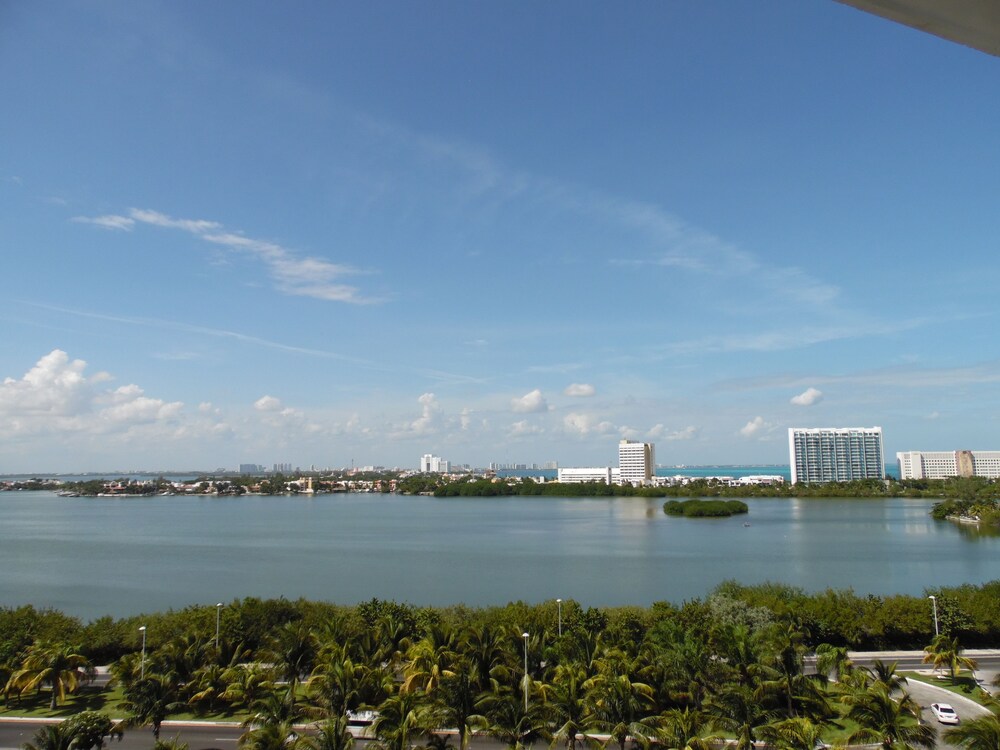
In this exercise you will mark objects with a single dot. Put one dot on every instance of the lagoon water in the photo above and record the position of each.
(95, 556)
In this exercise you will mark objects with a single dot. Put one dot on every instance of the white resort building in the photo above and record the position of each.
(947, 464)
(434, 464)
(636, 461)
(605, 474)
(835, 454)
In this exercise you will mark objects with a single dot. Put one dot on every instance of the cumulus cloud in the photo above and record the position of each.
(585, 424)
(808, 397)
(57, 396)
(753, 427)
(267, 403)
(579, 389)
(293, 273)
(428, 413)
(530, 403)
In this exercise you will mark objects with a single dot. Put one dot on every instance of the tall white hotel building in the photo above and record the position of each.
(835, 454)
(636, 462)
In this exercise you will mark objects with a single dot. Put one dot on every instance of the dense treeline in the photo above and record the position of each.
(840, 617)
(665, 676)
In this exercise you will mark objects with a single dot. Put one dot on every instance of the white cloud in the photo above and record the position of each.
(584, 424)
(579, 389)
(753, 427)
(429, 412)
(465, 418)
(55, 386)
(56, 397)
(293, 274)
(267, 403)
(530, 403)
(807, 398)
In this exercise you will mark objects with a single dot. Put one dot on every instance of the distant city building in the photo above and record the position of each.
(551, 465)
(840, 454)
(606, 474)
(282, 468)
(433, 464)
(947, 464)
(636, 461)
(251, 469)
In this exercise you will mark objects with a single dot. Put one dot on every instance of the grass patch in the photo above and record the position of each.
(962, 685)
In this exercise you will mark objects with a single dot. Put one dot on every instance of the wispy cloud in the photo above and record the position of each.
(303, 276)
(120, 223)
(220, 333)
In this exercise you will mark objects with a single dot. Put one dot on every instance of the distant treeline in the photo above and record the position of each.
(966, 489)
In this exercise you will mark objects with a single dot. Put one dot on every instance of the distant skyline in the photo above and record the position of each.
(492, 232)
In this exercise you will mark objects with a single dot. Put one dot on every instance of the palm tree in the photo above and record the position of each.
(455, 703)
(489, 654)
(981, 733)
(292, 650)
(274, 707)
(620, 708)
(429, 660)
(277, 736)
(150, 701)
(58, 665)
(246, 684)
(508, 722)
(208, 684)
(891, 723)
(339, 684)
(682, 729)
(332, 734)
(946, 651)
(793, 734)
(833, 660)
(738, 710)
(51, 737)
(564, 696)
(401, 718)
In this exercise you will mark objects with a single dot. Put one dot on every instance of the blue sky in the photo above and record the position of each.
(321, 233)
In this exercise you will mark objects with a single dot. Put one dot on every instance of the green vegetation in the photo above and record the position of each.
(704, 508)
(731, 665)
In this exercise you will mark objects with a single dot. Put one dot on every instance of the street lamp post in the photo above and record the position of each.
(559, 605)
(934, 605)
(525, 636)
(218, 610)
(142, 662)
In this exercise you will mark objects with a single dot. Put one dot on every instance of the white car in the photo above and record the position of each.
(944, 713)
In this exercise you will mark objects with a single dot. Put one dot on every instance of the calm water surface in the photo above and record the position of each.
(95, 556)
